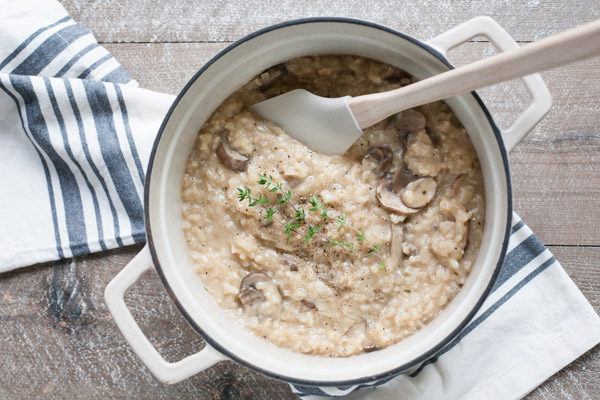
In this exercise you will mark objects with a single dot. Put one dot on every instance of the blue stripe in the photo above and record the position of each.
(46, 172)
(76, 58)
(517, 226)
(35, 34)
(518, 258)
(376, 383)
(132, 146)
(486, 314)
(49, 50)
(113, 157)
(118, 75)
(311, 390)
(316, 391)
(90, 160)
(95, 65)
(347, 387)
(68, 184)
(65, 138)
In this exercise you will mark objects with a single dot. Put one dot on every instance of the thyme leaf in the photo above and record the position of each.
(310, 230)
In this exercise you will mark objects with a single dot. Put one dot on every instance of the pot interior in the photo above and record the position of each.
(226, 73)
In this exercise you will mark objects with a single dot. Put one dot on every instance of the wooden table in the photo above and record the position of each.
(57, 339)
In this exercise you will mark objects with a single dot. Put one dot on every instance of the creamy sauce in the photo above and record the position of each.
(316, 297)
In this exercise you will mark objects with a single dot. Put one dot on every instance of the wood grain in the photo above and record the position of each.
(57, 339)
(56, 328)
(223, 20)
(555, 170)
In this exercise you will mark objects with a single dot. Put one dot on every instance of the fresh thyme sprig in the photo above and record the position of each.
(246, 194)
(300, 217)
(285, 197)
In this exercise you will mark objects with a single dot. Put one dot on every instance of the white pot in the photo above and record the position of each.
(166, 247)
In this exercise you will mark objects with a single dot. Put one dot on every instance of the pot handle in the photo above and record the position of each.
(164, 371)
(541, 101)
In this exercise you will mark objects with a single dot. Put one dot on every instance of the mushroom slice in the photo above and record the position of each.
(401, 179)
(391, 201)
(268, 77)
(357, 329)
(435, 138)
(259, 295)
(384, 156)
(395, 75)
(331, 284)
(419, 193)
(410, 121)
(308, 304)
(464, 243)
(371, 349)
(231, 159)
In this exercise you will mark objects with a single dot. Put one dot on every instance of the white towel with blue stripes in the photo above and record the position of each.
(534, 322)
(75, 137)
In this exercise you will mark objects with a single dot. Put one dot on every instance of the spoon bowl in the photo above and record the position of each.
(324, 124)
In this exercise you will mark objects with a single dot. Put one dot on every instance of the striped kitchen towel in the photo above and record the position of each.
(534, 322)
(75, 137)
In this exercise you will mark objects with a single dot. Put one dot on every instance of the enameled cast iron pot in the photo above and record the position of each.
(166, 247)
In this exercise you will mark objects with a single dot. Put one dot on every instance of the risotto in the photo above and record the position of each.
(332, 255)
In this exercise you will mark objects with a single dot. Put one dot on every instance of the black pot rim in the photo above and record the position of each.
(368, 379)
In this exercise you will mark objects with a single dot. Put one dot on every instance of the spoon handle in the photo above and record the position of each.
(563, 48)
